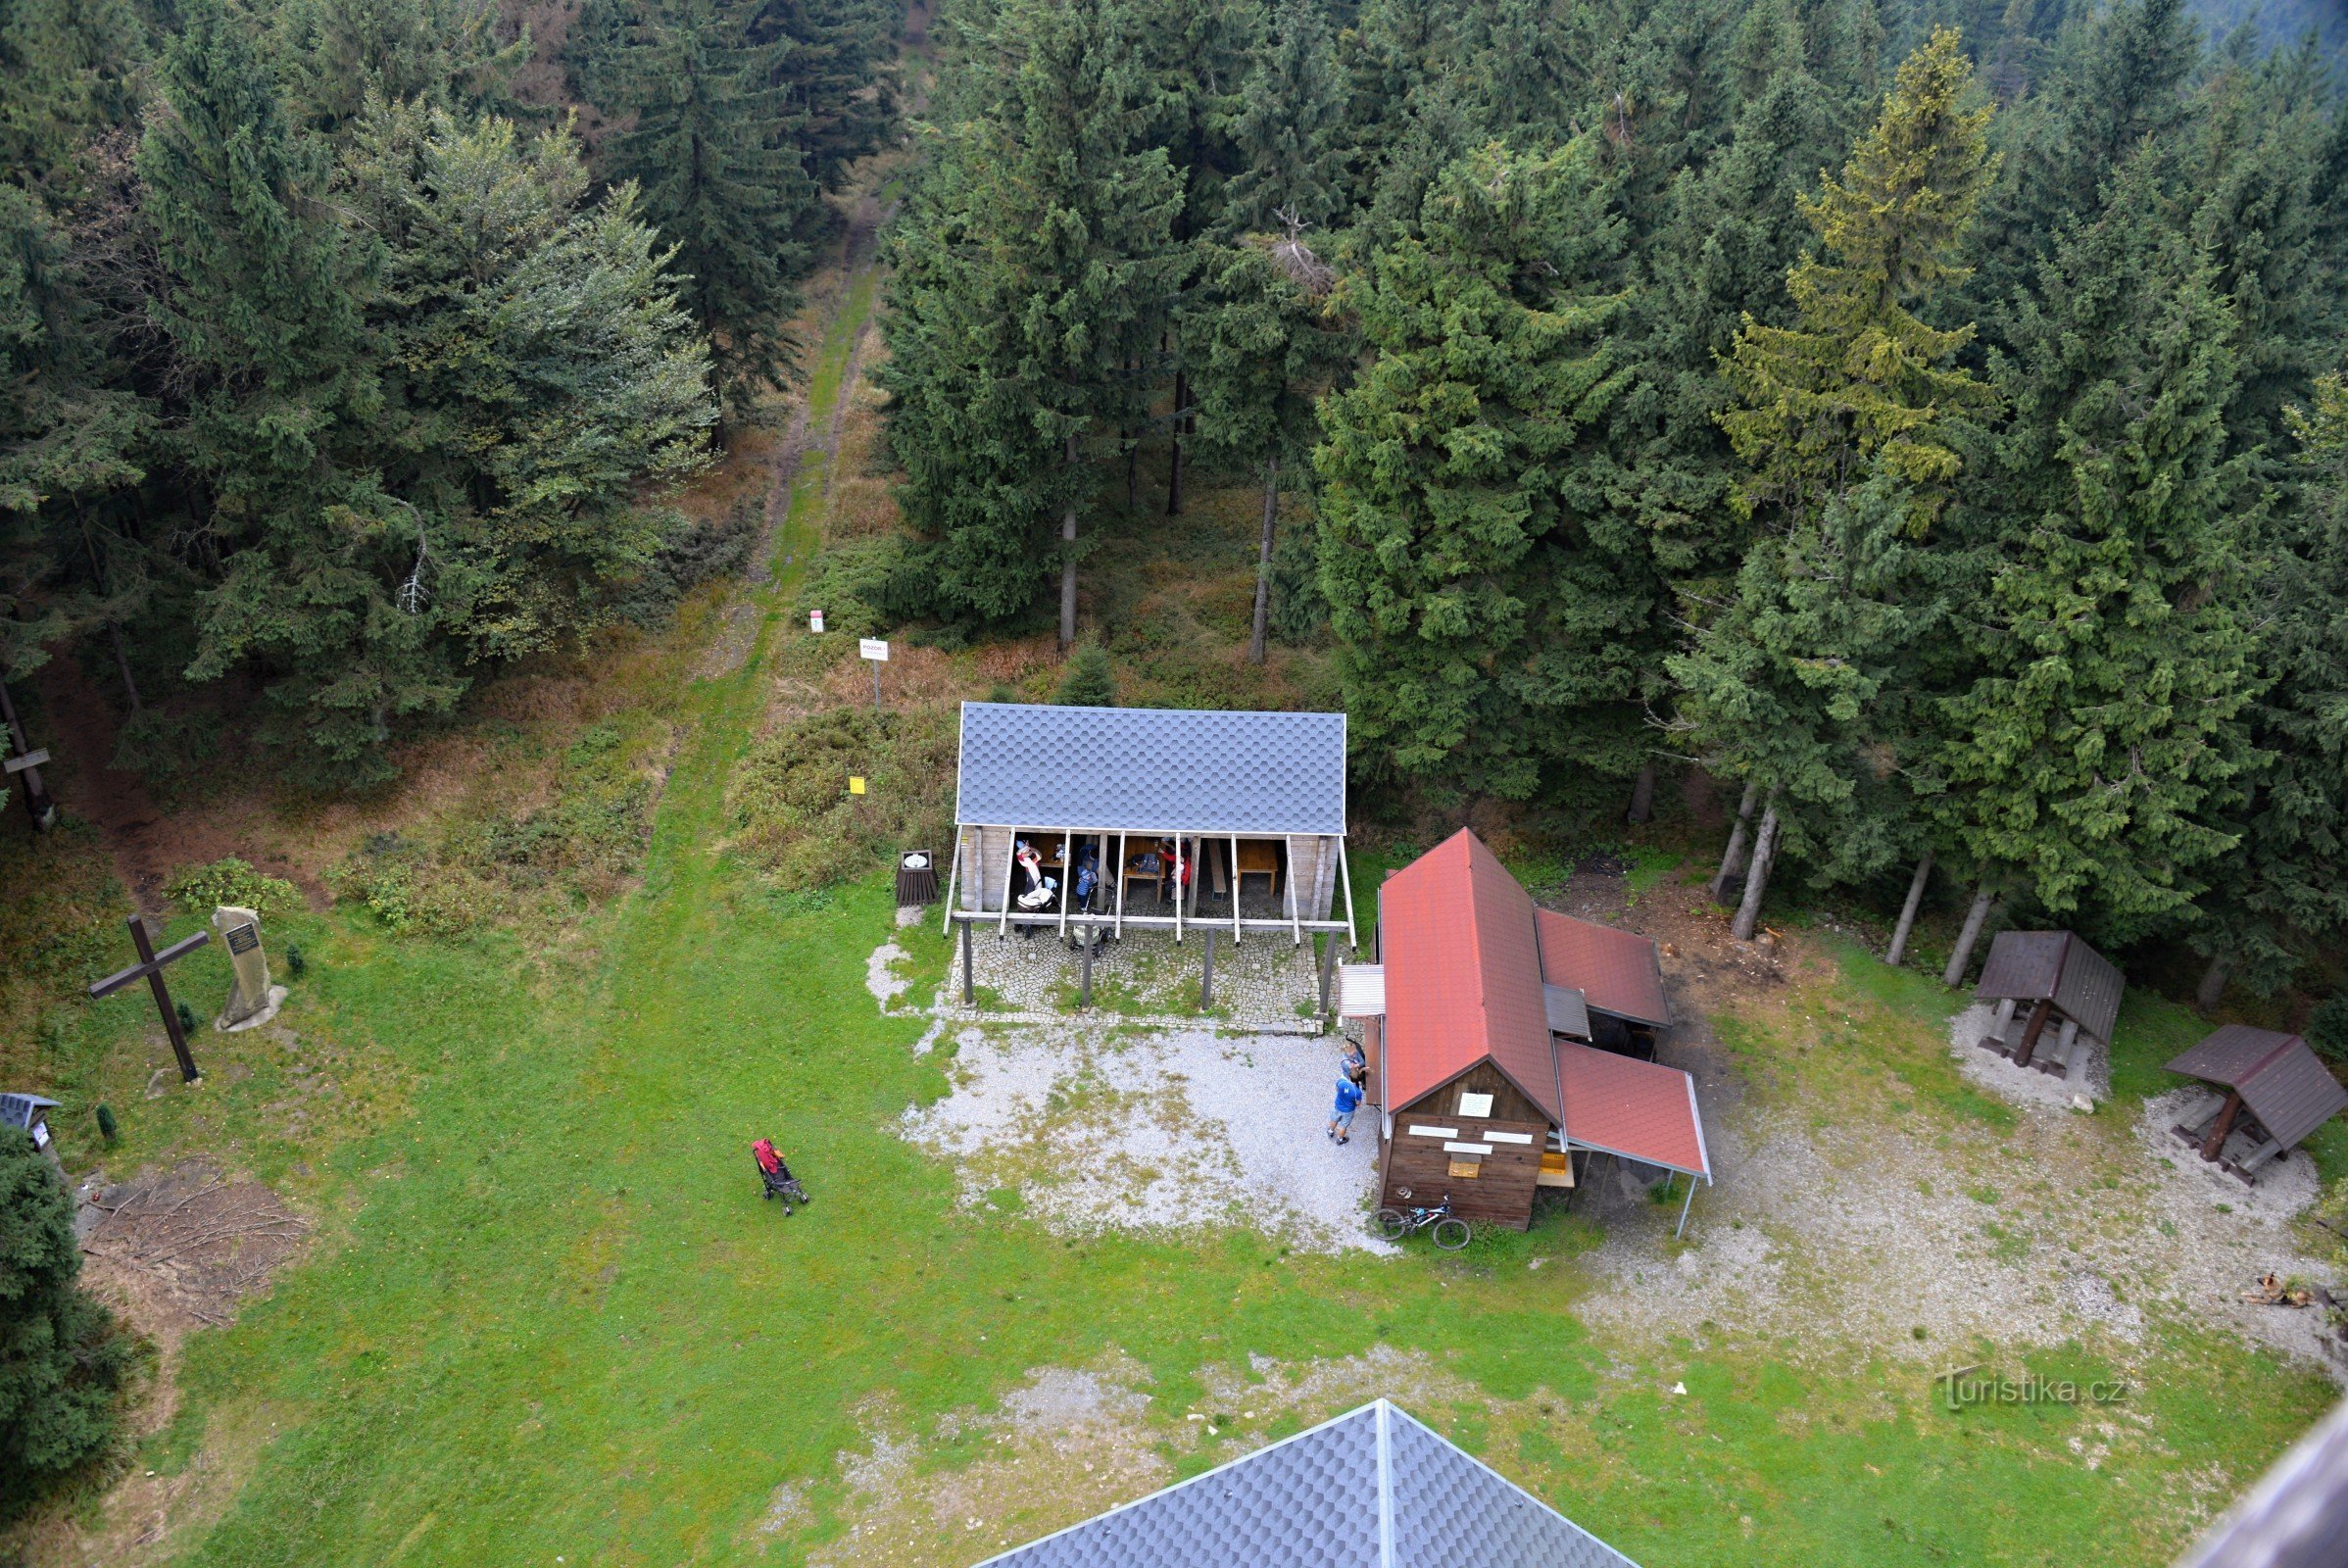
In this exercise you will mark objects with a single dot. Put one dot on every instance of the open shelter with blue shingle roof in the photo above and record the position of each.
(1153, 817)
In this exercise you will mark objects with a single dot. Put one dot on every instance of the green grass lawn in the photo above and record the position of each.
(547, 1318)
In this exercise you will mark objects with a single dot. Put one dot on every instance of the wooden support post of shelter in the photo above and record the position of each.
(1121, 854)
(968, 997)
(2028, 1046)
(1235, 889)
(1067, 876)
(953, 874)
(1206, 976)
(1328, 969)
(2215, 1143)
(1084, 994)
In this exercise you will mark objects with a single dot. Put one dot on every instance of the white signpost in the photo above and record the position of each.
(876, 650)
(816, 620)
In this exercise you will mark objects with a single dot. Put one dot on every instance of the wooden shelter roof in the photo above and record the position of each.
(2055, 966)
(2286, 1087)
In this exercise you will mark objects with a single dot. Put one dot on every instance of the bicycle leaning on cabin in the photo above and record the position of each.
(1450, 1231)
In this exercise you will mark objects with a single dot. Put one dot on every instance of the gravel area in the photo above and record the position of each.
(2055, 1230)
(2026, 1086)
(880, 976)
(1166, 1131)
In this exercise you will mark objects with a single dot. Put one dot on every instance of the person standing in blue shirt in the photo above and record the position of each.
(1340, 1122)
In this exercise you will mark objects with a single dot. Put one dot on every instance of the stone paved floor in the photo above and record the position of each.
(1264, 979)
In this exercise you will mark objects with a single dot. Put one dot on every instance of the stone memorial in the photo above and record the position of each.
(252, 1000)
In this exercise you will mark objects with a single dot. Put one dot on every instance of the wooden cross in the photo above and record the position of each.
(150, 969)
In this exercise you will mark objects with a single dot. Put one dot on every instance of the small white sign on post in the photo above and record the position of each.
(875, 649)
(814, 621)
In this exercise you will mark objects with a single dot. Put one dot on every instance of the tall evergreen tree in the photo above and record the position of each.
(538, 371)
(1266, 352)
(1035, 263)
(64, 1363)
(1860, 391)
(712, 151)
(2089, 760)
(1449, 464)
(1288, 129)
(263, 309)
(828, 65)
(2283, 895)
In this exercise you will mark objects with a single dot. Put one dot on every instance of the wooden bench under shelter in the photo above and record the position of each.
(1481, 1066)
(1236, 795)
(2273, 1090)
(2046, 978)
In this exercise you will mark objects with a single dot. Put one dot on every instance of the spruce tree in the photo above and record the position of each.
(828, 65)
(262, 309)
(538, 371)
(1862, 377)
(2282, 896)
(1035, 263)
(1859, 395)
(1195, 58)
(1266, 352)
(710, 150)
(1448, 463)
(1289, 133)
(2088, 761)
(64, 1363)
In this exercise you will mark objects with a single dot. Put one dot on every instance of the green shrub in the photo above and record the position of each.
(63, 1362)
(1087, 681)
(200, 888)
(107, 1128)
(791, 810)
(2328, 1028)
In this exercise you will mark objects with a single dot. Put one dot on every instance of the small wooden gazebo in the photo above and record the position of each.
(2273, 1092)
(2050, 977)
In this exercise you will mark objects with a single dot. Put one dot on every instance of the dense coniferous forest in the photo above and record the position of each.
(340, 371)
(1923, 416)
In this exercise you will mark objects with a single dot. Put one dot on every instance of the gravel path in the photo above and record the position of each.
(1164, 1132)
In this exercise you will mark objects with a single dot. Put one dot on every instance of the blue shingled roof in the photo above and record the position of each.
(1151, 769)
(1372, 1489)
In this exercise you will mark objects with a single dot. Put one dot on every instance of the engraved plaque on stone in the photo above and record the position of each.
(251, 995)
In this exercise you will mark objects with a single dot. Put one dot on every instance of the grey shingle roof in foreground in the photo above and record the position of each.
(1372, 1489)
(1151, 769)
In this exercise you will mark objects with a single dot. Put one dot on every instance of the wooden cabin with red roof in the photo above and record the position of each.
(1478, 1033)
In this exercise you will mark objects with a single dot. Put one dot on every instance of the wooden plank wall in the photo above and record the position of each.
(993, 857)
(1313, 863)
(1502, 1195)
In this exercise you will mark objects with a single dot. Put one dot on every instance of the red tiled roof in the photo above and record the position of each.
(1462, 975)
(1642, 1111)
(1464, 984)
(1616, 971)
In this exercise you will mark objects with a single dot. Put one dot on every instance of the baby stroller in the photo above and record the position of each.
(776, 1176)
